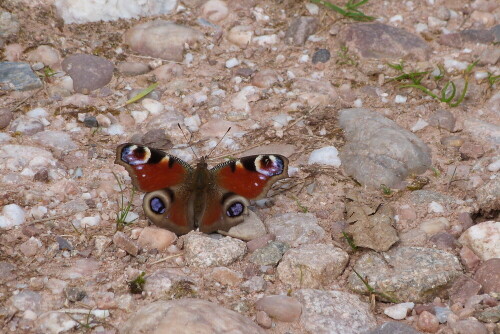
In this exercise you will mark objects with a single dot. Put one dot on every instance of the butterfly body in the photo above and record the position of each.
(181, 198)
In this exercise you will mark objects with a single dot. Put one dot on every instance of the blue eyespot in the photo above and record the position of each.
(236, 209)
(157, 205)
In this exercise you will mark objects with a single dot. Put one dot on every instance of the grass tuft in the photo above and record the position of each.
(350, 10)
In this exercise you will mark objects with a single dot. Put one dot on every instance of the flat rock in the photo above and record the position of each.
(186, 316)
(6, 116)
(312, 266)
(482, 130)
(204, 251)
(26, 125)
(156, 238)
(378, 151)
(459, 39)
(161, 281)
(333, 312)
(487, 195)
(413, 274)
(122, 241)
(251, 228)
(270, 254)
(279, 307)
(161, 39)
(483, 239)
(18, 76)
(300, 29)
(131, 69)
(295, 229)
(74, 11)
(393, 328)
(58, 140)
(380, 41)
(464, 288)
(399, 311)
(88, 72)
(488, 275)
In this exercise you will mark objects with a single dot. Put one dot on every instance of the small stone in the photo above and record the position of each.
(483, 239)
(226, 276)
(321, 56)
(469, 259)
(30, 247)
(27, 300)
(295, 229)
(251, 228)
(494, 166)
(260, 242)
(156, 238)
(122, 241)
(154, 107)
(6, 116)
(58, 140)
(90, 122)
(230, 63)
(468, 326)
(463, 289)
(399, 311)
(63, 243)
(443, 119)
(443, 240)
(281, 308)
(241, 35)
(471, 151)
(327, 155)
(300, 29)
(265, 78)
(74, 294)
(263, 319)
(156, 138)
(163, 281)
(88, 72)
(393, 328)
(26, 125)
(428, 322)
(215, 10)
(254, 284)
(435, 225)
(488, 275)
(42, 175)
(203, 251)
(55, 322)
(269, 255)
(12, 215)
(131, 69)
(90, 221)
(18, 76)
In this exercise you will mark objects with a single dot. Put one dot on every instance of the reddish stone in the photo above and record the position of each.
(469, 259)
(463, 289)
(428, 322)
(488, 275)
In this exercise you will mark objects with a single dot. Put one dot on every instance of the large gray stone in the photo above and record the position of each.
(88, 72)
(413, 274)
(295, 229)
(18, 76)
(333, 312)
(378, 151)
(186, 316)
(205, 251)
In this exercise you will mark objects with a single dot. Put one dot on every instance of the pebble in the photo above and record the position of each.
(399, 311)
(443, 119)
(469, 259)
(63, 243)
(328, 155)
(6, 116)
(47, 55)
(215, 10)
(279, 307)
(428, 322)
(9, 25)
(55, 322)
(226, 276)
(122, 241)
(160, 282)
(90, 221)
(270, 254)
(260, 242)
(26, 125)
(312, 266)
(295, 229)
(434, 225)
(393, 328)
(74, 11)
(381, 41)
(74, 294)
(58, 140)
(494, 166)
(27, 300)
(488, 275)
(468, 326)
(81, 268)
(18, 76)
(321, 56)
(471, 151)
(168, 72)
(324, 310)
(131, 69)
(240, 35)
(463, 289)
(156, 238)
(265, 78)
(176, 316)
(230, 63)
(443, 240)
(251, 228)
(300, 29)
(254, 284)
(88, 72)
(153, 106)
(12, 215)
(263, 319)
(139, 116)
(161, 39)
(203, 251)
(30, 247)
(156, 138)
(90, 122)
(420, 125)
(483, 239)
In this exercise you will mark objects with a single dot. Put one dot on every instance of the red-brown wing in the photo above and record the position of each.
(251, 176)
(151, 169)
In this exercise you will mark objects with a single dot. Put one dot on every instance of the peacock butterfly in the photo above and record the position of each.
(182, 198)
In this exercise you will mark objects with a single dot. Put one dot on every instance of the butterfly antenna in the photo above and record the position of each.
(213, 149)
(188, 139)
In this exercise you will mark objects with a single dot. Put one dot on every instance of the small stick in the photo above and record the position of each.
(166, 258)
(52, 218)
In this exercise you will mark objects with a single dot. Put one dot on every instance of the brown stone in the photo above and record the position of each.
(428, 322)
(488, 275)
(280, 307)
(469, 258)
(122, 241)
(470, 150)
(463, 289)
(260, 242)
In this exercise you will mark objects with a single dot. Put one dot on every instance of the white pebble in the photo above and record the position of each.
(115, 130)
(327, 155)
(12, 215)
(131, 217)
(313, 9)
(494, 166)
(90, 221)
(38, 212)
(192, 123)
(358, 103)
(452, 64)
(266, 40)
(400, 99)
(215, 10)
(396, 18)
(232, 63)
(281, 120)
(37, 113)
(139, 116)
(153, 106)
(399, 311)
(304, 59)
(188, 58)
(435, 207)
(420, 27)
(480, 75)
(421, 124)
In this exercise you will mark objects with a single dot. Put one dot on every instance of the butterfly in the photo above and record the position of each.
(181, 198)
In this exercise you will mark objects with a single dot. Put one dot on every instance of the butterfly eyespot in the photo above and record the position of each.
(157, 205)
(236, 209)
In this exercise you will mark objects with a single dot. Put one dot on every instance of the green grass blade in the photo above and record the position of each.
(142, 93)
